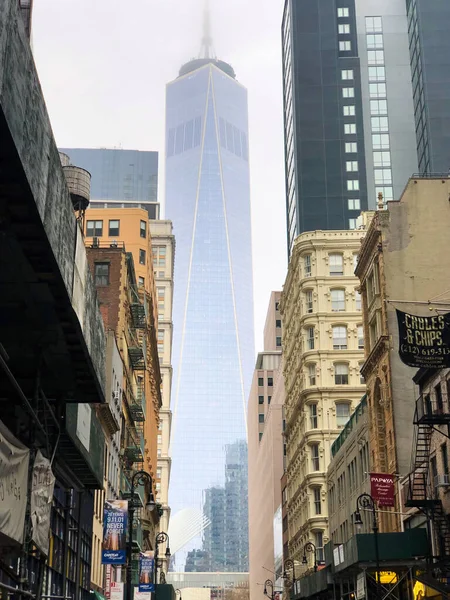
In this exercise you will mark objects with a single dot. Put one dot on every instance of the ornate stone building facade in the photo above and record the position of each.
(323, 352)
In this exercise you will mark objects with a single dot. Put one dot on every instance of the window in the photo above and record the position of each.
(277, 306)
(312, 374)
(260, 381)
(357, 300)
(353, 185)
(339, 337)
(278, 342)
(444, 454)
(159, 256)
(378, 107)
(342, 12)
(143, 229)
(349, 128)
(160, 340)
(113, 229)
(94, 228)
(309, 301)
(383, 176)
(344, 29)
(317, 501)
(319, 546)
(348, 92)
(354, 204)
(310, 338)
(270, 381)
(260, 436)
(278, 323)
(377, 90)
(341, 374)
(439, 399)
(374, 41)
(351, 147)
(386, 192)
(261, 417)
(315, 461)
(101, 273)
(380, 141)
(352, 223)
(260, 399)
(342, 413)
(269, 399)
(351, 165)
(377, 74)
(336, 264)
(355, 261)
(345, 46)
(348, 111)
(337, 300)
(375, 57)
(379, 124)
(382, 159)
(142, 257)
(362, 381)
(307, 264)
(374, 24)
(313, 416)
(141, 281)
(346, 74)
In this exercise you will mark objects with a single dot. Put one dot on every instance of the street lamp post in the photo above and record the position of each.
(161, 538)
(366, 502)
(139, 478)
(269, 584)
(310, 547)
(289, 564)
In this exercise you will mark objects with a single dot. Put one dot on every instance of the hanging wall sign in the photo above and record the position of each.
(382, 488)
(424, 341)
(41, 501)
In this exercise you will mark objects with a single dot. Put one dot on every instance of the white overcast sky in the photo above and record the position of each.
(104, 64)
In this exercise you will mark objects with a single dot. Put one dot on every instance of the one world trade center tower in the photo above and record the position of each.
(208, 200)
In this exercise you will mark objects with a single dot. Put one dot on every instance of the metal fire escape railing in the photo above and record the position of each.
(423, 489)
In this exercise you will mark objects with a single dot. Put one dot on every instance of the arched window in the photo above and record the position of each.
(339, 337)
(338, 300)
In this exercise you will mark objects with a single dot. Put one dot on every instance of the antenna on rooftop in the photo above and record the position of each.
(207, 50)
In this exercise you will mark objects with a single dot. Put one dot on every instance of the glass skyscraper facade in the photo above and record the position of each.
(120, 177)
(208, 200)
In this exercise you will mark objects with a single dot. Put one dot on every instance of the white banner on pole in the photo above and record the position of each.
(14, 459)
(116, 590)
(41, 501)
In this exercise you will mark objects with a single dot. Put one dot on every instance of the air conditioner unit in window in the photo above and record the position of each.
(442, 480)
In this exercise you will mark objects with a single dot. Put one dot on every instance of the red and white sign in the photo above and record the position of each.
(108, 570)
(382, 488)
(116, 590)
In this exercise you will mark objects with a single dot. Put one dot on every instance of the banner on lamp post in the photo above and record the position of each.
(115, 522)
(382, 488)
(424, 341)
(146, 570)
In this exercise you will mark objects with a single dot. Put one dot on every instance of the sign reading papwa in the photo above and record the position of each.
(424, 341)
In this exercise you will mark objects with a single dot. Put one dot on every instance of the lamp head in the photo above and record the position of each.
(304, 560)
(167, 552)
(150, 505)
(357, 520)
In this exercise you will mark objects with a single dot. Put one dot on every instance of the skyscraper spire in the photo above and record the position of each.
(207, 50)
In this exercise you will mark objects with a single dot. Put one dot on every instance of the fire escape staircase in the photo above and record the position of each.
(423, 492)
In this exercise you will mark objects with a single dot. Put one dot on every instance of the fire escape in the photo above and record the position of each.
(425, 482)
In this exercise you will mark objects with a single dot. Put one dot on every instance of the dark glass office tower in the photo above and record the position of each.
(323, 113)
(120, 177)
(208, 200)
(428, 27)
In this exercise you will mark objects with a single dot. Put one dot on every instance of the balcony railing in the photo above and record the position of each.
(432, 410)
(137, 406)
(135, 452)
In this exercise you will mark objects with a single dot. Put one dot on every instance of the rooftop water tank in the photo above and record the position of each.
(79, 184)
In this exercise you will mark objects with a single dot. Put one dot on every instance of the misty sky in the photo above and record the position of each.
(104, 64)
